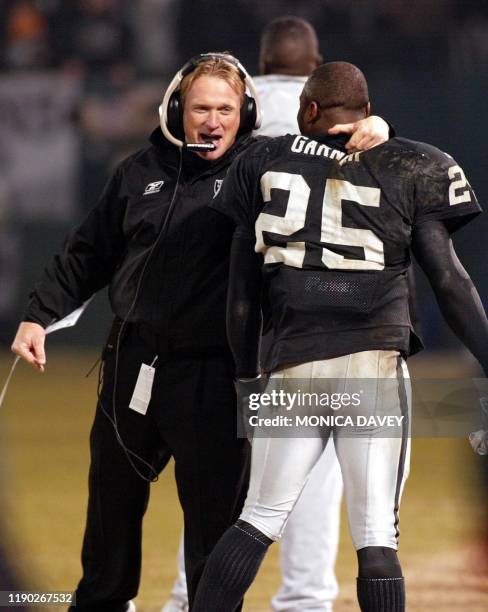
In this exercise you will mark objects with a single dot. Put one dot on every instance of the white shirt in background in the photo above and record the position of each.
(279, 96)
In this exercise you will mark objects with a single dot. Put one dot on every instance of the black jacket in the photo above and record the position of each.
(183, 293)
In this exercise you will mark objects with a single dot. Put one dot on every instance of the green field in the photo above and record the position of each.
(44, 429)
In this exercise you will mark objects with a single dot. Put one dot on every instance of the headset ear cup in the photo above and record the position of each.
(175, 115)
(248, 115)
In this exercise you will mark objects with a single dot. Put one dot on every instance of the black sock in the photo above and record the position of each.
(381, 594)
(380, 586)
(378, 562)
(231, 568)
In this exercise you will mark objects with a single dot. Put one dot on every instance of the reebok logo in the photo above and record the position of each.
(153, 188)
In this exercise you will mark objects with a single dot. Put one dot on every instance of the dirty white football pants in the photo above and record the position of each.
(374, 463)
(309, 543)
(308, 546)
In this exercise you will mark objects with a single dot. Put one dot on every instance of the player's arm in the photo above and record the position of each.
(238, 200)
(244, 304)
(85, 265)
(455, 292)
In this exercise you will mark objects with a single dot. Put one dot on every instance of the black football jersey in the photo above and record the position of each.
(335, 232)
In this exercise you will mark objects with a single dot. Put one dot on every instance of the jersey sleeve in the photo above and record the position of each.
(237, 197)
(442, 191)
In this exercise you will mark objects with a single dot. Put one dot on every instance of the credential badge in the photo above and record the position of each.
(153, 188)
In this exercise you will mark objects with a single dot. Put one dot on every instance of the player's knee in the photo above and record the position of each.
(378, 562)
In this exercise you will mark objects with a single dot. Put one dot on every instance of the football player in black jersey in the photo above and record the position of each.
(331, 235)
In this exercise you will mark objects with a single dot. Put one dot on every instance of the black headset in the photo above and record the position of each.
(171, 109)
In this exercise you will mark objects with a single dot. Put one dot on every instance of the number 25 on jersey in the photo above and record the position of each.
(332, 230)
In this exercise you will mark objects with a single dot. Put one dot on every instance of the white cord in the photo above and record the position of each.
(9, 377)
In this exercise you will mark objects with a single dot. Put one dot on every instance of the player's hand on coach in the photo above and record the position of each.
(29, 344)
(365, 134)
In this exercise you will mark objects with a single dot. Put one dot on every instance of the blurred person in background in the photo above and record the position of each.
(101, 37)
(289, 52)
(96, 38)
(41, 136)
(155, 35)
(27, 36)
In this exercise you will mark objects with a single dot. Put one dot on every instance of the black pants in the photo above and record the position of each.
(191, 417)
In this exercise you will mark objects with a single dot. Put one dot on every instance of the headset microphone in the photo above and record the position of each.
(199, 146)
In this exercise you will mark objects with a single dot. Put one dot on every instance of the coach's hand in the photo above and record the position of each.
(365, 134)
(29, 344)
